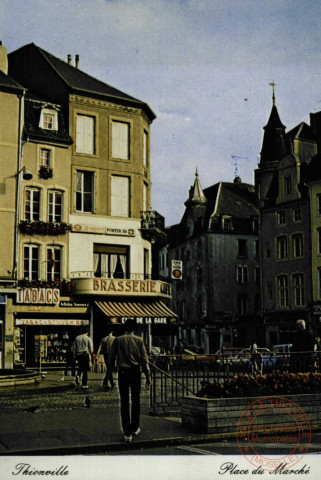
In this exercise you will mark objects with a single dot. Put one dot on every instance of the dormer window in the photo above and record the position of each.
(227, 223)
(49, 119)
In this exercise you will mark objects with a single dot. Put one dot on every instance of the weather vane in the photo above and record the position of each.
(272, 84)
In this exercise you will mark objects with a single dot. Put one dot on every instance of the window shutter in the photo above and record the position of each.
(120, 196)
(120, 140)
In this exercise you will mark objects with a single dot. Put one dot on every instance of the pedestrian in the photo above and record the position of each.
(70, 359)
(129, 352)
(256, 359)
(105, 347)
(83, 349)
(302, 348)
(317, 353)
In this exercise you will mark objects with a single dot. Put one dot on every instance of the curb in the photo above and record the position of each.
(35, 390)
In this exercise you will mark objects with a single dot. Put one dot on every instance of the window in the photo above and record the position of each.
(298, 286)
(53, 263)
(287, 185)
(145, 149)
(55, 206)
(242, 248)
(242, 274)
(32, 204)
(319, 204)
(45, 157)
(296, 214)
(257, 248)
(280, 216)
(319, 241)
(111, 261)
(226, 223)
(242, 304)
(49, 119)
(84, 191)
(297, 245)
(267, 252)
(282, 247)
(254, 224)
(120, 140)
(85, 135)
(146, 263)
(283, 290)
(120, 187)
(269, 292)
(257, 303)
(257, 275)
(30, 262)
(144, 197)
(319, 283)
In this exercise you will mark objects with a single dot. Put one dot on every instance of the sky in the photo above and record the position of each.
(203, 66)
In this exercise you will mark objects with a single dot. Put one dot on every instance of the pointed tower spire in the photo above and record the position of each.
(196, 194)
(275, 142)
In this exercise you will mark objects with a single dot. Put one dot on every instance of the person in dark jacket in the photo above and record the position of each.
(130, 354)
(302, 348)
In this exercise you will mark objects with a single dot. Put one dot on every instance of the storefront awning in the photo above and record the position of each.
(154, 313)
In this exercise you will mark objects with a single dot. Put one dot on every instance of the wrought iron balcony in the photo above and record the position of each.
(152, 226)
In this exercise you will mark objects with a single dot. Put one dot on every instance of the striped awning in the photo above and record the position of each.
(143, 312)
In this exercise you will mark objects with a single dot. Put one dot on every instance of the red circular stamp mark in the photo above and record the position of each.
(270, 421)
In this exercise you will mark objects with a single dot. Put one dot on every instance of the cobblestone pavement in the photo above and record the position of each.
(73, 398)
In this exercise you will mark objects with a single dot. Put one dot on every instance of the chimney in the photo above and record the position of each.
(69, 59)
(3, 59)
(76, 61)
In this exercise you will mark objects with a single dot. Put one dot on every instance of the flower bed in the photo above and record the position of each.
(43, 228)
(264, 385)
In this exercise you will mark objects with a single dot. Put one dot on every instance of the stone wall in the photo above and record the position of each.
(220, 415)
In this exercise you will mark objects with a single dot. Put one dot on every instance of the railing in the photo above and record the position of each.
(152, 219)
(92, 274)
(174, 376)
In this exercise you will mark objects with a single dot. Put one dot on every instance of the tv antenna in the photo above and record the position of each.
(236, 158)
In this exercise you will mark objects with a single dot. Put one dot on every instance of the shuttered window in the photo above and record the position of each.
(85, 135)
(120, 140)
(120, 188)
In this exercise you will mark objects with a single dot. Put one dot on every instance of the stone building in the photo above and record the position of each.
(218, 299)
(83, 225)
(288, 187)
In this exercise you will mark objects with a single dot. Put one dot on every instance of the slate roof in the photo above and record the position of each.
(32, 118)
(275, 144)
(80, 81)
(303, 131)
(8, 82)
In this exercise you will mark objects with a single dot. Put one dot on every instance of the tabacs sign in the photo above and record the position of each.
(38, 295)
(177, 269)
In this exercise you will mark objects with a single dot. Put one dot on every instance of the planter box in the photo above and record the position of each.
(220, 415)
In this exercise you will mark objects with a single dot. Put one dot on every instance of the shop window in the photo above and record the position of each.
(120, 195)
(297, 245)
(283, 290)
(111, 261)
(299, 291)
(85, 134)
(120, 140)
(55, 201)
(31, 262)
(53, 263)
(32, 204)
(84, 191)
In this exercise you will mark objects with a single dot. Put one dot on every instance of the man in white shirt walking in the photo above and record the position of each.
(83, 349)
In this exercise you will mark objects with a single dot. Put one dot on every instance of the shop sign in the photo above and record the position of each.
(177, 269)
(127, 232)
(38, 295)
(74, 304)
(50, 321)
(116, 286)
(145, 320)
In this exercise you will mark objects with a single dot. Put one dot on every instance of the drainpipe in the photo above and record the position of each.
(18, 185)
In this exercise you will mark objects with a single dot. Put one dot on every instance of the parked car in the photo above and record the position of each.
(279, 357)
